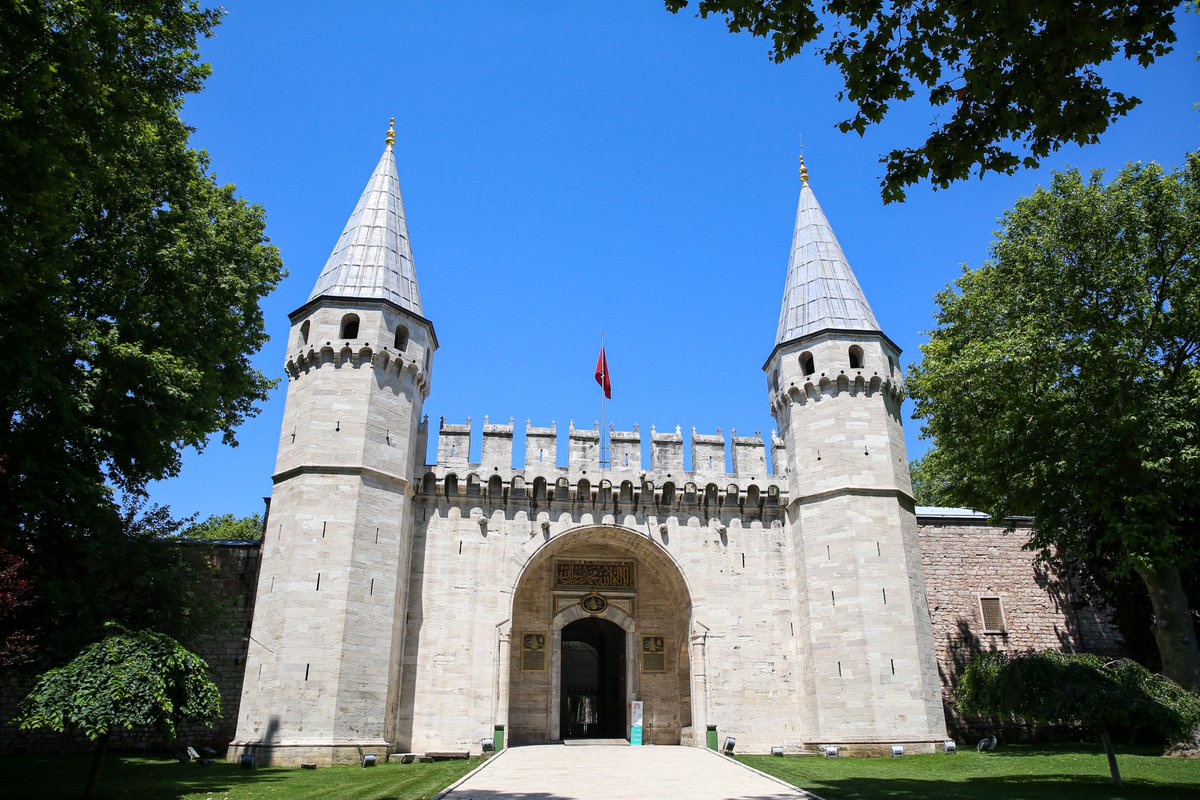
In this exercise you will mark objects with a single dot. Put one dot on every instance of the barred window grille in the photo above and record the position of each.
(992, 611)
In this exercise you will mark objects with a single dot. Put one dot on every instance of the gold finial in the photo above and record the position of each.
(391, 134)
(803, 170)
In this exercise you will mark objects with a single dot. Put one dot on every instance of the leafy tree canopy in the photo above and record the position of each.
(1050, 686)
(931, 485)
(130, 279)
(130, 679)
(1063, 381)
(1016, 82)
(227, 527)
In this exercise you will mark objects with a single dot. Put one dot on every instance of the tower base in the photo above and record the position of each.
(320, 753)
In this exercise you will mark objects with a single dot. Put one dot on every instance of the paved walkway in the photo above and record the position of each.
(596, 772)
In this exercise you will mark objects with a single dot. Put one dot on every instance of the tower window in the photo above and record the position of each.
(891, 366)
(807, 365)
(350, 326)
(775, 381)
(856, 357)
(401, 338)
(304, 331)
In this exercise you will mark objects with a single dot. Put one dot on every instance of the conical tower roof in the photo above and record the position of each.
(821, 290)
(373, 257)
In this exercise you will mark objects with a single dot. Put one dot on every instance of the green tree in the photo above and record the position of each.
(130, 279)
(1050, 686)
(1013, 83)
(1063, 382)
(130, 679)
(227, 527)
(931, 486)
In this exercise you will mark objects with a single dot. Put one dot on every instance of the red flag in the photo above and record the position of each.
(602, 374)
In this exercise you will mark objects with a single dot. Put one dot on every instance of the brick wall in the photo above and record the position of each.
(966, 558)
(224, 648)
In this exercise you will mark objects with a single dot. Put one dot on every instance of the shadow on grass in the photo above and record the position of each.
(1033, 787)
(55, 777)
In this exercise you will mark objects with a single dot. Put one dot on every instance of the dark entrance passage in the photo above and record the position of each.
(593, 680)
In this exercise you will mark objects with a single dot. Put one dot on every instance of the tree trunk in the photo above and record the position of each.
(1173, 629)
(97, 760)
(1112, 758)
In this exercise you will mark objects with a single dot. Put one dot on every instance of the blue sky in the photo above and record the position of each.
(572, 168)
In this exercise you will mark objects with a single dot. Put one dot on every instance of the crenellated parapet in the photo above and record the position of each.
(855, 384)
(354, 355)
(626, 485)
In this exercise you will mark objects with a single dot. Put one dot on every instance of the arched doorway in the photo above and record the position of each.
(600, 613)
(592, 677)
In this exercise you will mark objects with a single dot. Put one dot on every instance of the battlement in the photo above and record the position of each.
(818, 387)
(666, 462)
(384, 359)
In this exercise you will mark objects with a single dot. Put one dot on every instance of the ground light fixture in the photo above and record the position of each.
(369, 760)
(730, 741)
(487, 744)
(897, 750)
(777, 750)
(950, 747)
(830, 751)
(246, 760)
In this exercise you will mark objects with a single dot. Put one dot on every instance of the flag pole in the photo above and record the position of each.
(603, 427)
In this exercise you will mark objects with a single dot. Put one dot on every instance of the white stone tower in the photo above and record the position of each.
(864, 637)
(323, 668)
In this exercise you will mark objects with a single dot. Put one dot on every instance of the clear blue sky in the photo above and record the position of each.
(569, 168)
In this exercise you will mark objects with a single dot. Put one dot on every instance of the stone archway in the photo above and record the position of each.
(618, 576)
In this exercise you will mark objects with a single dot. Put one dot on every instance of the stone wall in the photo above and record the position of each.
(224, 648)
(967, 558)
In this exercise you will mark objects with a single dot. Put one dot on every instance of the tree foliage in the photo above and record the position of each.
(1050, 686)
(931, 485)
(1063, 381)
(16, 594)
(227, 527)
(1016, 82)
(130, 679)
(130, 279)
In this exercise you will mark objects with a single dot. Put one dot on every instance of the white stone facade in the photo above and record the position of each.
(405, 607)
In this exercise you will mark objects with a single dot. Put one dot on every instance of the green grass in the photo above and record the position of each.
(142, 778)
(1014, 772)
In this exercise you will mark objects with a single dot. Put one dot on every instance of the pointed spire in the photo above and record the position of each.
(821, 290)
(372, 257)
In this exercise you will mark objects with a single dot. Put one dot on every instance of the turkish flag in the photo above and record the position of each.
(602, 374)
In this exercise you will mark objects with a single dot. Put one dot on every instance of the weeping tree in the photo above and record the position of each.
(1080, 688)
(130, 679)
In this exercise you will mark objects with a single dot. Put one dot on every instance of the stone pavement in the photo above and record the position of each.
(597, 772)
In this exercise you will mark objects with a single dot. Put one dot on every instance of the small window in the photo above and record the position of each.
(775, 381)
(401, 338)
(992, 611)
(856, 357)
(350, 326)
(304, 331)
(891, 366)
(807, 365)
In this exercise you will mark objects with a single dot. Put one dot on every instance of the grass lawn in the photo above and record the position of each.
(1014, 772)
(150, 778)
